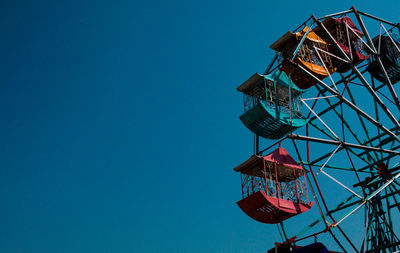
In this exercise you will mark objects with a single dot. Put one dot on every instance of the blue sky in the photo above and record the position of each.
(120, 121)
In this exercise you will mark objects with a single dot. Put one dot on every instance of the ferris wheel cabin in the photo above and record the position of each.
(316, 247)
(311, 55)
(349, 39)
(273, 187)
(272, 109)
(389, 50)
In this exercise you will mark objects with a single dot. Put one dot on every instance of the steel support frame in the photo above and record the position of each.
(391, 136)
(351, 145)
(333, 107)
(378, 57)
(359, 75)
(347, 102)
(326, 155)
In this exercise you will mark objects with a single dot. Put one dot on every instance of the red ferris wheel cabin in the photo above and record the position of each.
(273, 187)
(349, 39)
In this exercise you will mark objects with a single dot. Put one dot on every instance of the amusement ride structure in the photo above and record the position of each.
(327, 110)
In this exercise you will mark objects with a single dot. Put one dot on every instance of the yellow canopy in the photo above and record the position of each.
(311, 36)
(291, 39)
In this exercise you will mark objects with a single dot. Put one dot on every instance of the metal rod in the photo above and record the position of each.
(379, 136)
(301, 42)
(326, 155)
(271, 64)
(316, 115)
(306, 99)
(366, 229)
(341, 184)
(329, 158)
(283, 230)
(326, 69)
(368, 199)
(322, 198)
(334, 56)
(304, 23)
(343, 120)
(327, 109)
(380, 144)
(372, 49)
(342, 205)
(335, 14)
(257, 144)
(359, 75)
(390, 37)
(276, 143)
(379, 19)
(352, 145)
(344, 100)
(362, 121)
(378, 57)
(331, 167)
(379, 161)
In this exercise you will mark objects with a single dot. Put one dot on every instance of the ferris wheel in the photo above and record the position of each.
(326, 120)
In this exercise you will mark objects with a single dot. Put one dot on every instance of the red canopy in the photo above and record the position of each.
(281, 156)
(287, 168)
(351, 24)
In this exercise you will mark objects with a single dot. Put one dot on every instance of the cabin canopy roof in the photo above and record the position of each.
(291, 39)
(280, 156)
(257, 81)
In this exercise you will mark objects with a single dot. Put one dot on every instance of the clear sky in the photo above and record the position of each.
(119, 121)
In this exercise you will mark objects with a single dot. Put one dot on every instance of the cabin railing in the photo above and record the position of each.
(283, 105)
